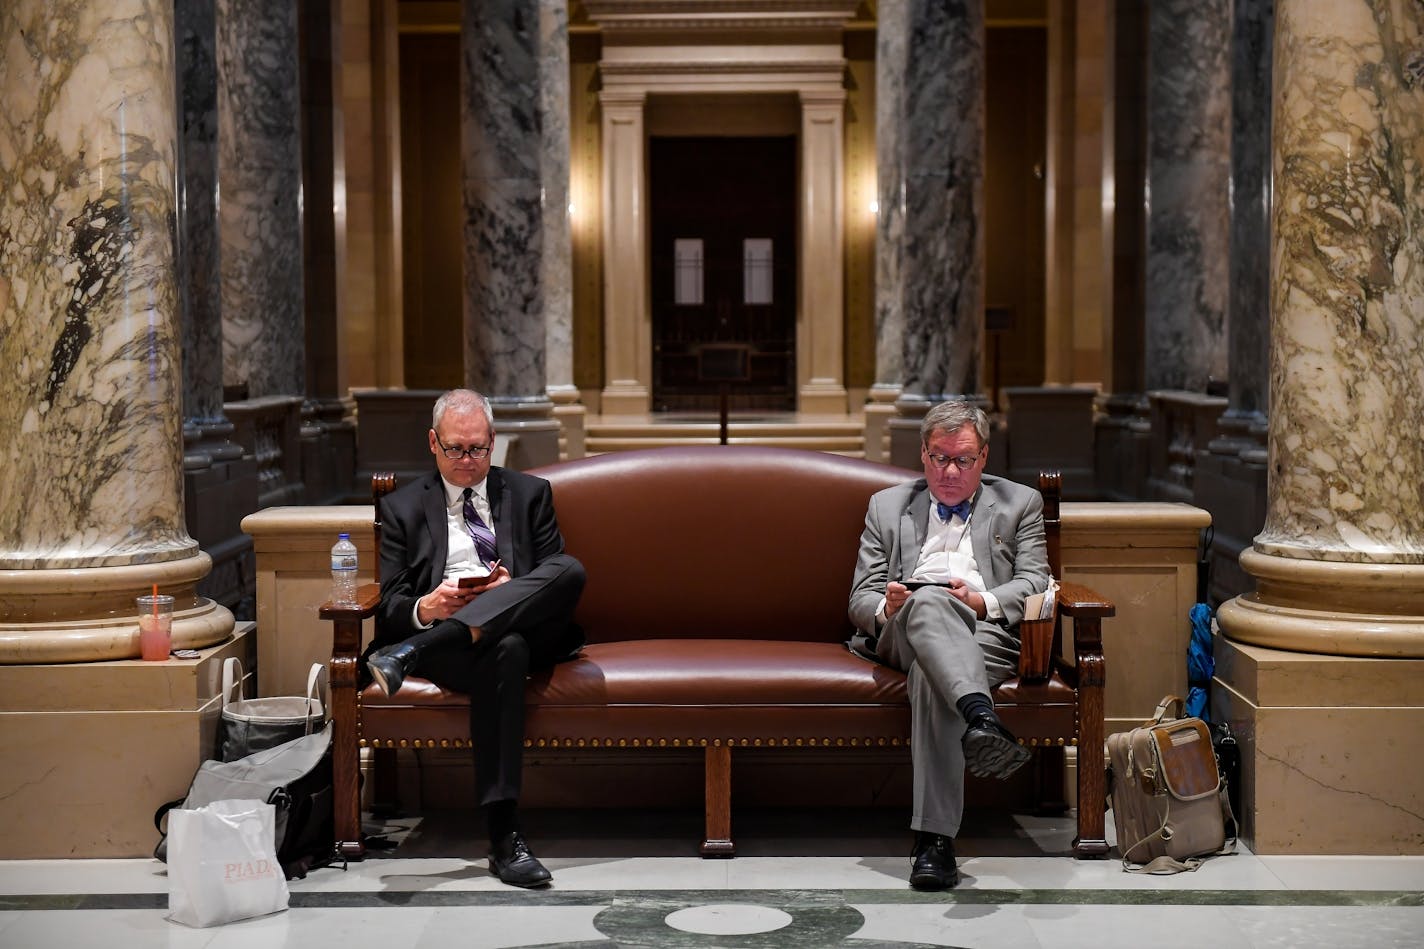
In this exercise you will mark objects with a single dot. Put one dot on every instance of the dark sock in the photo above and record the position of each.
(975, 704)
(502, 818)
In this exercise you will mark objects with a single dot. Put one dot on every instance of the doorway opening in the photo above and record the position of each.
(723, 272)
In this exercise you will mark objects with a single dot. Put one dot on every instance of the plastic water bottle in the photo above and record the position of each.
(343, 572)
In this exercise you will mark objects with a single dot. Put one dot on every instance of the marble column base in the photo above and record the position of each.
(1330, 747)
(879, 410)
(91, 750)
(528, 433)
(573, 421)
(1330, 607)
(88, 614)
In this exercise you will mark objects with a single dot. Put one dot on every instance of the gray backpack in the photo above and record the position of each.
(295, 777)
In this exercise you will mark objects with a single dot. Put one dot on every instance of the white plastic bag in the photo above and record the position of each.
(222, 863)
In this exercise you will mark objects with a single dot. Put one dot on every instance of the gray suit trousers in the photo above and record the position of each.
(946, 654)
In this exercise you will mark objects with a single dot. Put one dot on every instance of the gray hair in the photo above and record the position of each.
(461, 400)
(950, 417)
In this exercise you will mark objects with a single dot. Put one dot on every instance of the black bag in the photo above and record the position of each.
(249, 725)
(296, 778)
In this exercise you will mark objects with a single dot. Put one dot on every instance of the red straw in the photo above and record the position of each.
(155, 599)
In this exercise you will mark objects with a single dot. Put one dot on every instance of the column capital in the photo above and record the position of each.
(818, 97)
(621, 99)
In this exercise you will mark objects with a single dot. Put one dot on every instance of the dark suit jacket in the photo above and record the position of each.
(414, 545)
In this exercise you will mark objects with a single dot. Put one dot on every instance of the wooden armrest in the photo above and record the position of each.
(368, 596)
(1077, 600)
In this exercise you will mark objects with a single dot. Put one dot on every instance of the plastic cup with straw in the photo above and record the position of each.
(155, 626)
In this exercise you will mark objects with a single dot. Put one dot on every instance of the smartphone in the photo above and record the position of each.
(916, 584)
(476, 583)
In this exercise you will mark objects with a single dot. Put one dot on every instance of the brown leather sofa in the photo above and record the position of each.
(715, 612)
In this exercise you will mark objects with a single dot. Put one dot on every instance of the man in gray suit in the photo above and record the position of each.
(945, 564)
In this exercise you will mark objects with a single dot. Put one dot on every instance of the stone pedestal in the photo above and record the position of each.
(1183, 424)
(1052, 427)
(1330, 747)
(92, 749)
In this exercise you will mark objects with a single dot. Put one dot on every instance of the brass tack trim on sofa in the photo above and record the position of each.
(881, 741)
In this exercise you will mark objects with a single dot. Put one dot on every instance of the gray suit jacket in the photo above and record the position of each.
(1005, 525)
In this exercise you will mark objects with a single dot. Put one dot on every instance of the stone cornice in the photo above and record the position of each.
(699, 15)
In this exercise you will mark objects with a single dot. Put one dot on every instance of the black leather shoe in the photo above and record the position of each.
(389, 666)
(934, 867)
(990, 751)
(512, 862)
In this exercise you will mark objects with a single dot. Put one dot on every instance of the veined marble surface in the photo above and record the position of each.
(91, 451)
(260, 181)
(516, 159)
(936, 176)
(1188, 186)
(556, 270)
(200, 278)
(1347, 347)
(1249, 321)
(891, 29)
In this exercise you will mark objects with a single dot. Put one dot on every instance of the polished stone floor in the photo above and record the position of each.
(832, 878)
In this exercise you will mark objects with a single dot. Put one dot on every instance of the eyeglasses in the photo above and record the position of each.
(960, 462)
(456, 453)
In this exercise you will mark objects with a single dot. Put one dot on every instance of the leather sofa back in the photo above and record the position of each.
(715, 542)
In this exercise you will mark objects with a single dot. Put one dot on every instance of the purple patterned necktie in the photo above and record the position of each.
(484, 537)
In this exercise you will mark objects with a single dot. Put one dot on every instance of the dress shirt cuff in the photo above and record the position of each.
(880, 618)
(415, 616)
(992, 609)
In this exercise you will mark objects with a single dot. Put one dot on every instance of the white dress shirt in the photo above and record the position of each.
(460, 557)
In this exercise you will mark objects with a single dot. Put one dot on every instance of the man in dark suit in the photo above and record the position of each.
(476, 591)
(945, 564)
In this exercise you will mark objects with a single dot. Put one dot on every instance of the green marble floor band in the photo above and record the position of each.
(791, 901)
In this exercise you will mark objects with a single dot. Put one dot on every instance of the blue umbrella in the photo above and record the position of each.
(1200, 663)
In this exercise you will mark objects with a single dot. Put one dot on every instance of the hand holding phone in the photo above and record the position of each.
(479, 583)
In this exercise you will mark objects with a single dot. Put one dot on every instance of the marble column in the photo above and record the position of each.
(515, 159)
(1188, 188)
(91, 502)
(930, 112)
(556, 262)
(1342, 550)
(1318, 669)
(260, 176)
(219, 485)
(1230, 477)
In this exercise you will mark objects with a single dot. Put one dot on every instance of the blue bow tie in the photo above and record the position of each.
(945, 510)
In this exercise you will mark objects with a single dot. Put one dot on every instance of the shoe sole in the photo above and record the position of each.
(929, 882)
(994, 756)
(379, 678)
